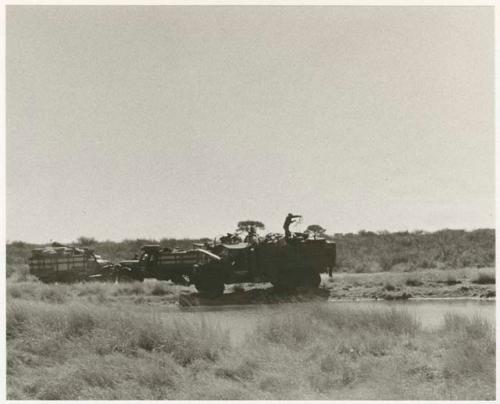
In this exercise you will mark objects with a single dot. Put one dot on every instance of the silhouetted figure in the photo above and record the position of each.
(252, 235)
(288, 221)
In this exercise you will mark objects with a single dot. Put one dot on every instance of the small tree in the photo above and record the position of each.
(245, 225)
(316, 230)
(86, 241)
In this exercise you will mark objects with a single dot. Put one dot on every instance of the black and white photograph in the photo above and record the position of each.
(221, 201)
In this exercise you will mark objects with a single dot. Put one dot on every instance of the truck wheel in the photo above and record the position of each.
(210, 289)
(209, 283)
(281, 286)
(311, 279)
(287, 280)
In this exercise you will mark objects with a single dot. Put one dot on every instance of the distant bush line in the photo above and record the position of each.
(362, 252)
(384, 251)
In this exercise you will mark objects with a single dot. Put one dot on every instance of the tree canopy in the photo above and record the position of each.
(315, 229)
(244, 225)
(86, 241)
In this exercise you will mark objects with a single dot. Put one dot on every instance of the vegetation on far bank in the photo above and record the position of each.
(361, 252)
(393, 265)
(407, 251)
(424, 283)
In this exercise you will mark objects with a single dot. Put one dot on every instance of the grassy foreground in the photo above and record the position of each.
(69, 343)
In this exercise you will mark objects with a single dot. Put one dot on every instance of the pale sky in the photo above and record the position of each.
(173, 121)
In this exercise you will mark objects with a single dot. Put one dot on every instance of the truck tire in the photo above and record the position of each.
(311, 279)
(211, 289)
(287, 280)
(209, 283)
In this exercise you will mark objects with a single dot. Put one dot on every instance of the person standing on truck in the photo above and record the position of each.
(286, 226)
(251, 236)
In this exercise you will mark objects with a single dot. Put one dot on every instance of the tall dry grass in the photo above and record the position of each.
(96, 292)
(83, 350)
(485, 278)
(57, 337)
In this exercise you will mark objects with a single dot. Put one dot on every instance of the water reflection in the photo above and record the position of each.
(240, 320)
(431, 313)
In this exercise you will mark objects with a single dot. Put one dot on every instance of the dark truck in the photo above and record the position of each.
(286, 263)
(164, 264)
(59, 263)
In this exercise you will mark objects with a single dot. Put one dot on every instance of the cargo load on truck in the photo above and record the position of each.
(172, 264)
(60, 263)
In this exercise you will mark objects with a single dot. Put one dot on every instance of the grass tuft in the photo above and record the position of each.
(132, 288)
(470, 353)
(389, 286)
(451, 280)
(294, 331)
(80, 321)
(484, 278)
(393, 321)
(161, 289)
(17, 317)
(413, 281)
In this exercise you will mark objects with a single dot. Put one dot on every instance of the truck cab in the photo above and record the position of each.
(163, 263)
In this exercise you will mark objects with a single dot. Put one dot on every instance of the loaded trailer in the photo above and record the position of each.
(59, 263)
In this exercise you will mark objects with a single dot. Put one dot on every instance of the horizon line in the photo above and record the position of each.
(159, 239)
